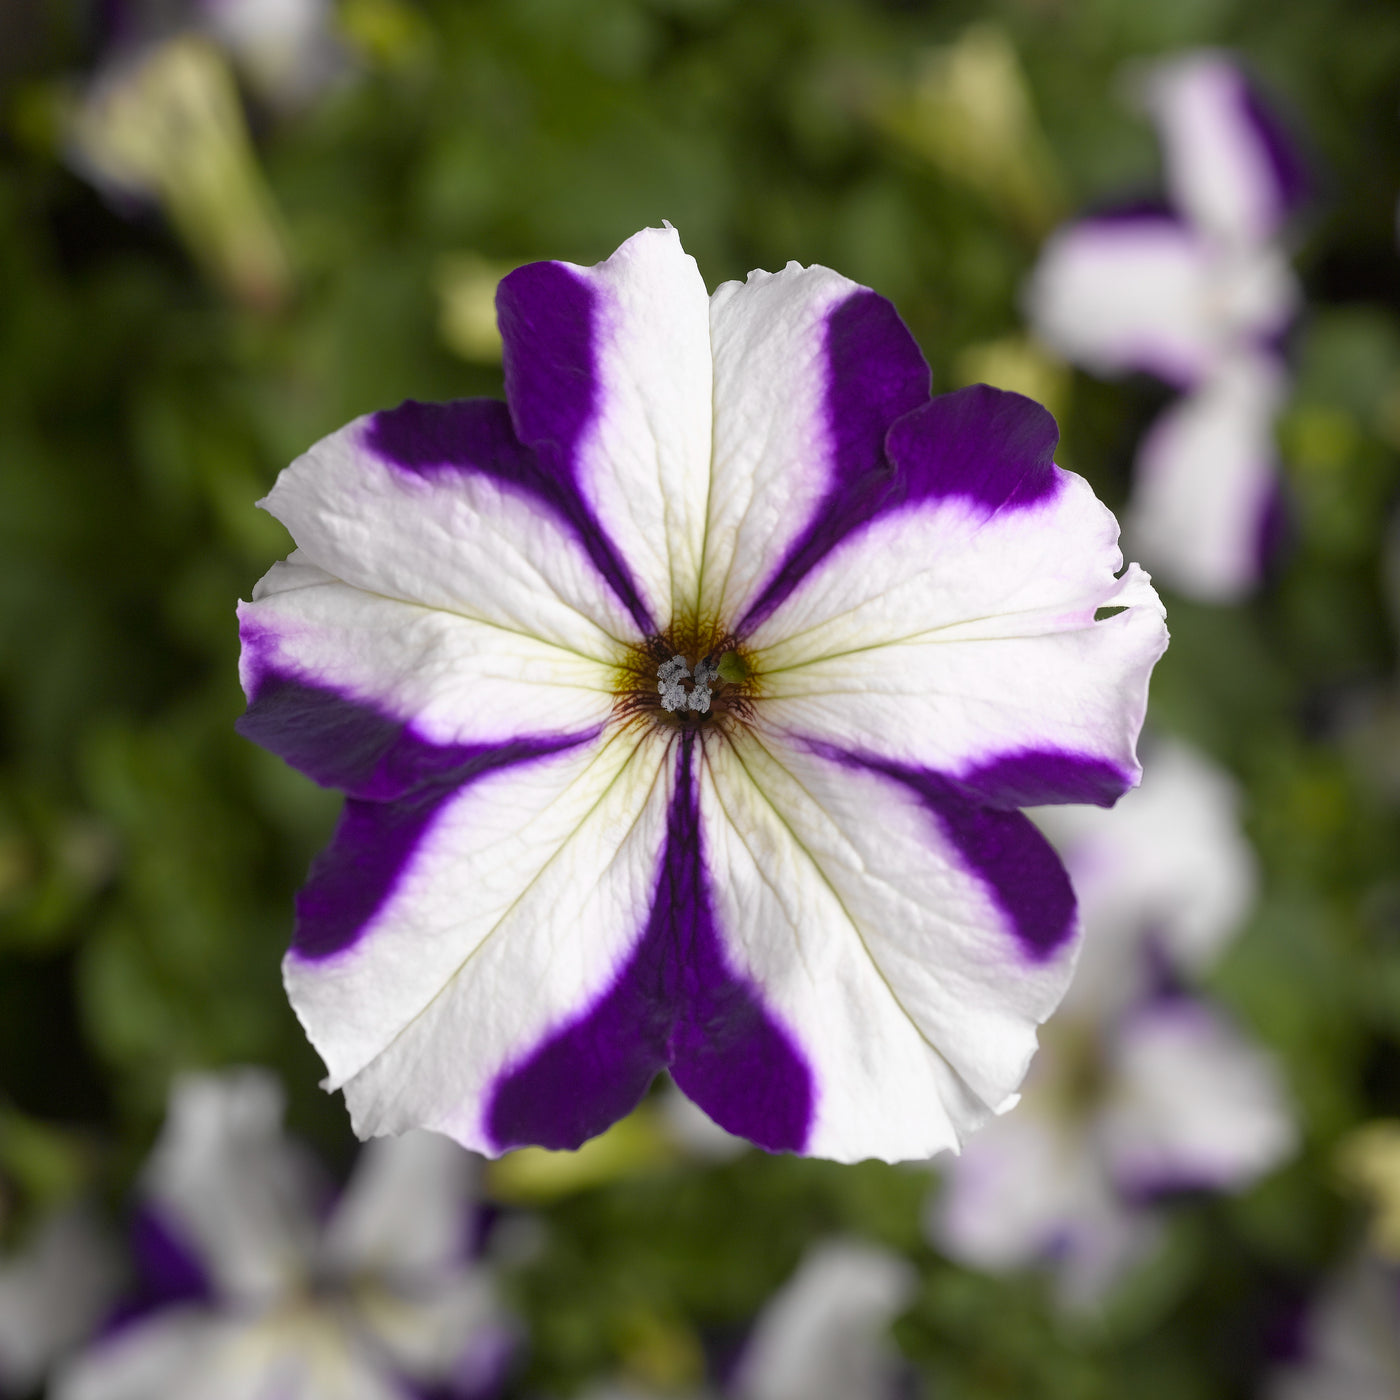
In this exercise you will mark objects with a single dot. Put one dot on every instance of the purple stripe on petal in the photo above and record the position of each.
(1291, 180)
(1146, 211)
(1017, 864)
(1004, 849)
(727, 1053)
(675, 1004)
(397, 782)
(985, 445)
(982, 444)
(348, 744)
(477, 435)
(1275, 531)
(1034, 777)
(876, 373)
(169, 1267)
(168, 1270)
(546, 314)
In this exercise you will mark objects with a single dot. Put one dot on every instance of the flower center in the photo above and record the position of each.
(671, 678)
(660, 681)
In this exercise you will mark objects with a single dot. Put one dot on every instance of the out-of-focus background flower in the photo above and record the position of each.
(228, 226)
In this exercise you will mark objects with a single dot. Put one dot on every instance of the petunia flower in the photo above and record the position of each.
(1141, 1088)
(254, 1293)
(825, 1334)
(684, 704)
(1197, 294)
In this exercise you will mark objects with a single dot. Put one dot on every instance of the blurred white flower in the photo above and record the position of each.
(824, 1335)
(1139, 1089)
(287, 49)
(1197, 294)
(1351, 1339)
(282, 1301)
(163, 125)
(53, 1293)
(1168, 863)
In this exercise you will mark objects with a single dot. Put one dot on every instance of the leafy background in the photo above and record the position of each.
(148, 856)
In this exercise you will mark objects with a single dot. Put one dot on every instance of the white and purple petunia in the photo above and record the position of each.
(1141, 1088)
(1198, 294)
(684, 704)
(251, 1290)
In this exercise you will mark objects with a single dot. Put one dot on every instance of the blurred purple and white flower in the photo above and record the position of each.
(684, 704)
(266, 1297)
(1350, 1344)
(825, 1334)
(1199, 295)
(53, 1294)
(1166, 878)
(1139, 1089)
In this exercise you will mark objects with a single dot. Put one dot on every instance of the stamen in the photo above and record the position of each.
(668, 681)
(670, 678)
(701, 695)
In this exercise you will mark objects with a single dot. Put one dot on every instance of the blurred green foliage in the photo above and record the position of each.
(148, 856)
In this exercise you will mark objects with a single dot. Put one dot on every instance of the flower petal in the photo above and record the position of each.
(1206, 485)
(1028, 1189)
(1196, 1105)
(408, 1211)
(455, 680)
(825, 1334)
(524, 891)
(239, 1190)
(53, 1293)
(810, 371)
(162, 1355)
(678, 1002)
(440, 504)
(1128, 292)
(908, 959)
(608, 375)
(1230, 165)
(956, 631)
(295, 1353)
